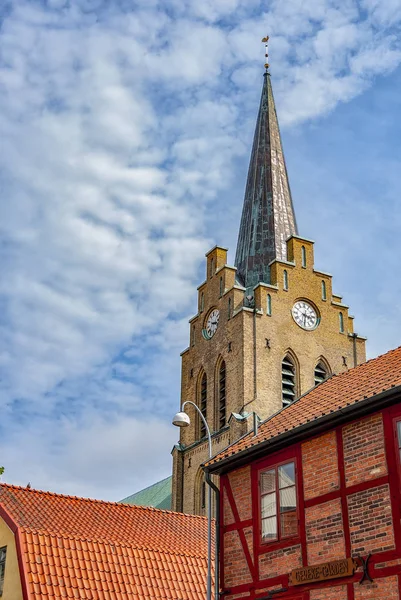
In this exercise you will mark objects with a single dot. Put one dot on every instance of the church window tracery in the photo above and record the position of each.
(288, 380)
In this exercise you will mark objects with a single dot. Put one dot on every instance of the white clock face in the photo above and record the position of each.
(305, 315)
(212, 323)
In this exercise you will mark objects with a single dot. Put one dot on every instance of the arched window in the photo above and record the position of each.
(321, 372)
(222, 395)
(211, 267)
(269, 305)
(221, 287)
(203, 404)
(288, 380)
(285, 279)
(324, 293)
(341, 322)
(193, 335)
(202, 302)
(303, 252)
(229, 308)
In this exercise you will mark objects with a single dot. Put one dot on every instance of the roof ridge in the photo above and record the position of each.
(92, 540)
(328, 392)
(97, 501)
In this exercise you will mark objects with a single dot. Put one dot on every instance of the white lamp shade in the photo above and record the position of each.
(181, 419)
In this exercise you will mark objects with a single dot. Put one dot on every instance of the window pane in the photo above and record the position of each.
(286, 475)
(288, 499)
(399, 433)
(288, 523)
(268, 505)
(268, 481)
(269, 528)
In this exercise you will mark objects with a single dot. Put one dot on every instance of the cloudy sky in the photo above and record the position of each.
(125, 133)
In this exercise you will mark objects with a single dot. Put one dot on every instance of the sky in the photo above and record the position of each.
(125, 135)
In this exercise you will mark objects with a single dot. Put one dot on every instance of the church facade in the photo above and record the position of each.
(267, 330)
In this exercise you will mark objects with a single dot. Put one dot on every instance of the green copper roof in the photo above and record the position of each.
(268, 217)
(157, 495)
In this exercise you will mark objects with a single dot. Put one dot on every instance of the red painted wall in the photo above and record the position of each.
(348, 492)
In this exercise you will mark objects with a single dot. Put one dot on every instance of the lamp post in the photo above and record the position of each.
(181, 419)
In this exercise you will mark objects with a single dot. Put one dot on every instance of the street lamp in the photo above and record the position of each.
(181, 419)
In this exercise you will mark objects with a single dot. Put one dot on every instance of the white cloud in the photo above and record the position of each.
(119, 131)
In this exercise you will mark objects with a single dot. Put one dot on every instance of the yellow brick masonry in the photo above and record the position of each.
(253, 345)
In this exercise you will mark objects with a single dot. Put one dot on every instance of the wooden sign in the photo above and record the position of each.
(328, 570)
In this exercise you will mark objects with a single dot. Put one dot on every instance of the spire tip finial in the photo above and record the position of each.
(265, 40)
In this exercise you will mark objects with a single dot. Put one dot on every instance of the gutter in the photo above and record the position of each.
(361, 407)
(216, 534)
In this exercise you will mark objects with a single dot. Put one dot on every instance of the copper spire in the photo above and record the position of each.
(268, 217)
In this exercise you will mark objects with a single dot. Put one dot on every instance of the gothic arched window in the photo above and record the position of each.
(269, 305)
(285, 279)
(229, 308)
(303, 252)
(321, 372)
(324, 293)
(202, 302)
(203, 404)
(288, 380)
(341, 322)
(222, 395)
(221, 287)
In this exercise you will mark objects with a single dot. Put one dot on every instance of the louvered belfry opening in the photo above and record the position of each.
(203, 404)
(288, 375)
(222, 395)
(321, 373)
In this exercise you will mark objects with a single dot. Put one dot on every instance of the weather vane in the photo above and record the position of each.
(265, 40)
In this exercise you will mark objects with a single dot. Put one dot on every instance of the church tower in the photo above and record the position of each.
(267, 329)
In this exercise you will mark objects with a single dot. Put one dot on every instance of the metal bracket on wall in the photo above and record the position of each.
(364, 565)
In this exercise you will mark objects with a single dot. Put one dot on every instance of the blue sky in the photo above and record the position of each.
(125, 134)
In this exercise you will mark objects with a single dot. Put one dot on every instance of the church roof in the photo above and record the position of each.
(335, 397)
(76, 547)
(268, 217)
(157, 495)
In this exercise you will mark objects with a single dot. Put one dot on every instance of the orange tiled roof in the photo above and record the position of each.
(364, 381)
(79, 548)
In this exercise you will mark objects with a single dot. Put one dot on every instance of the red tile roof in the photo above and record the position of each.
(351, 387)
(79, 548)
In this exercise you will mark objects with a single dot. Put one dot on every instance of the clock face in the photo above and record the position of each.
(212, 323)
(305, 315)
